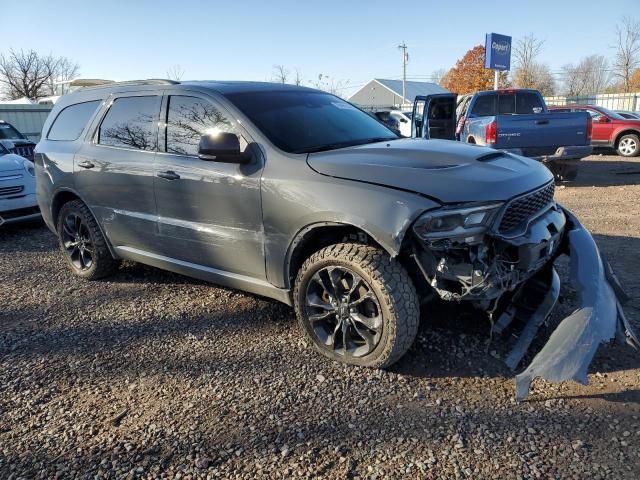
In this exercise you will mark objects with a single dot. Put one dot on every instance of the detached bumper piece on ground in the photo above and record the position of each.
(598, 319)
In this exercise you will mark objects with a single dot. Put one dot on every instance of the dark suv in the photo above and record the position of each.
(297, 195)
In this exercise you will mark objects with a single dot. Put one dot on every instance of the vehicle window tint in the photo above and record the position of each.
(484, 106)
(528, 102)
(594, 115)
(188, 119)
(7, 132)
(131, 123)
(71, 121)
(506, 104)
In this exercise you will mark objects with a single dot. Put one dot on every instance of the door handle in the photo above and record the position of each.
(169, 175)
(86, 164)
(542, 122)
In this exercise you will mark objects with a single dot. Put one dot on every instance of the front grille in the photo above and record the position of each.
(523, 208)
(6, 191)
(25, 151)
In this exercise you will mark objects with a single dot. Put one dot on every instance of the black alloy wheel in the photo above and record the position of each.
(76, 241)
(344, 312)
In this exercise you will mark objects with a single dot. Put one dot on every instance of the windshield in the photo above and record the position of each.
(7, 132)
(611, 114)
(308, 121)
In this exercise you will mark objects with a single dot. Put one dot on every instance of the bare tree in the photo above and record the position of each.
(176, 72)
(60, 70)
(438, 75)
(29, 74)
(536, 75)
(627, 57)
(280, 74)
(525, 53)
(590, 76)
(298, 79)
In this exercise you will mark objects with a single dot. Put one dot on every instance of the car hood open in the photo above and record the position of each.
(448, 171)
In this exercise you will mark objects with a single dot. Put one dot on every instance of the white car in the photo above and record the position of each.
(17, 187)
(399, 121)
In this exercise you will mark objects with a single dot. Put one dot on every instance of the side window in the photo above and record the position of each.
(70, 122)
(528, 103)
(131, 123)
(188, 119)
(484, 106)
(594, 114)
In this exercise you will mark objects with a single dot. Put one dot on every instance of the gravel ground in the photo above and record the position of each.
(154, 375)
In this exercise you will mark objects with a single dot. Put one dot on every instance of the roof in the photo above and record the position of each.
(221, 86)
(413, 88)
(232, 86)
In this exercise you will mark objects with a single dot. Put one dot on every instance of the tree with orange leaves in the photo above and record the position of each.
(469, 75)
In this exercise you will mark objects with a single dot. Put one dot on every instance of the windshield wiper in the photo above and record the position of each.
(351, 143)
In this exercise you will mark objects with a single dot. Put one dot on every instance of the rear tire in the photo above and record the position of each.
(375, 324)
(82, 243)
(628, 145)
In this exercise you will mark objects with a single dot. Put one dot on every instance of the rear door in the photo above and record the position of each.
(434, 116)
(209, 212)
(113, 172)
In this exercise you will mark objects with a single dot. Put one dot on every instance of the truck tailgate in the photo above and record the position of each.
(541, 133)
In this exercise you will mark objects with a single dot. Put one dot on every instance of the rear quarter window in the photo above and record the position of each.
(71, 121)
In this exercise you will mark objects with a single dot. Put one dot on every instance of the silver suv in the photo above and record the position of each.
(297, 195)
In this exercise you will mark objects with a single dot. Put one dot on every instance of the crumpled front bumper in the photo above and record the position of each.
(598, 318)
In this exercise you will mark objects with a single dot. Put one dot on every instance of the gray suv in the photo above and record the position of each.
(297, 195)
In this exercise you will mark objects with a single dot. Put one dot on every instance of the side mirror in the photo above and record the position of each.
(403, 120)
(603, 119)
(221, 147)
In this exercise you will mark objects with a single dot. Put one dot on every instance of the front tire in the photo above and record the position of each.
(356, 305)
(82, 243)
(629, 145)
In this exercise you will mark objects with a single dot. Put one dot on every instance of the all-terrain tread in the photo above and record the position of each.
(399, 294)
(104, 262)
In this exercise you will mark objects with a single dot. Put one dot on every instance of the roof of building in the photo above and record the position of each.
(413, 88)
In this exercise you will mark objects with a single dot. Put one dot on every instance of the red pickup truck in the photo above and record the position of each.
(610, 129)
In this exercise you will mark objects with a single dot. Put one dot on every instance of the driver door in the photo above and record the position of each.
(434, 116)
(209, 212)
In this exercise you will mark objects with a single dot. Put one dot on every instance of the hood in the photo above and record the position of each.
(448, 171)
(11, 162)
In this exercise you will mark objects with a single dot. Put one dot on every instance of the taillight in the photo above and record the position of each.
(460, 125)
(589, 128)
(491, 132)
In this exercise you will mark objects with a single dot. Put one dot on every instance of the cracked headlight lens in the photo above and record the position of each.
(449, 222)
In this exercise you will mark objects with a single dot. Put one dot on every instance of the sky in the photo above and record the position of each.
(350, 41)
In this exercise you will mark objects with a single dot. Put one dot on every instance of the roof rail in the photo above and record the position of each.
(149, 81)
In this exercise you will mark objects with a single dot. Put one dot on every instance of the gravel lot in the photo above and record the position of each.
(154, 375)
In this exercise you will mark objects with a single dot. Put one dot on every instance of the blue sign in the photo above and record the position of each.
(497, 52)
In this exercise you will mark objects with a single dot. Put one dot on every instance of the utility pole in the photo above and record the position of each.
(405, 58)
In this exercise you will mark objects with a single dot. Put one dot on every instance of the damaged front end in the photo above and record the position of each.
(500, 257)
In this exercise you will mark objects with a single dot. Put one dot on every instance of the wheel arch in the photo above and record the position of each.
(316, 236)
(624, 132)
(64, 196)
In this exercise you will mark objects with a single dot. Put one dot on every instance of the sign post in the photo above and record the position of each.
(497, 54)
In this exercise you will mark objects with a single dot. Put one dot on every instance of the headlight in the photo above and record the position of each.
(29, 167)
(451, 222)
